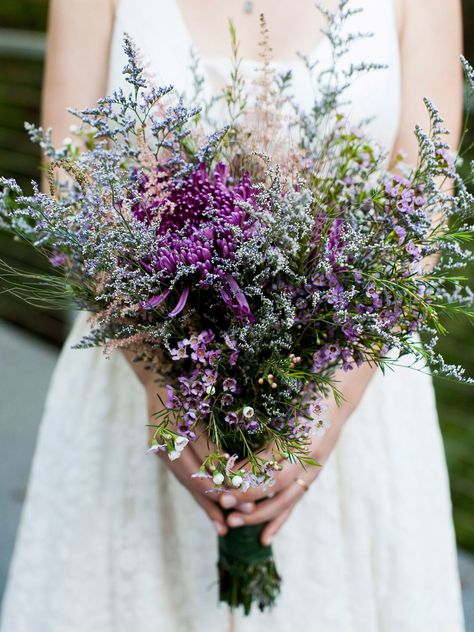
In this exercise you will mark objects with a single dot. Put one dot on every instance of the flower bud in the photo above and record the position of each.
(218, 478)
(237, 481)
(248, 412)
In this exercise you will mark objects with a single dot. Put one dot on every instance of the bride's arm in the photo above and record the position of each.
(75, 74)
(430, 34)
(79, 37)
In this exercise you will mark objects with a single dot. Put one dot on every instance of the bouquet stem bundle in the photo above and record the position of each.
(247, 570)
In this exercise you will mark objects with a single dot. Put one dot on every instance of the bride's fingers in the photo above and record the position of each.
(183, 468)
(268, 509)
(274, 526)
(214, 513)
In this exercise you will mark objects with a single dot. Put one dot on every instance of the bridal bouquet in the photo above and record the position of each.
(243, 268)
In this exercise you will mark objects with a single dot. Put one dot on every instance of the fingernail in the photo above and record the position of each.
(219, 527)
(228, 501)
(235, 521)
(246, 507)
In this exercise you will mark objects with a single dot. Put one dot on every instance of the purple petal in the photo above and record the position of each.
(155, 301)
(181, 303)
(240, 297)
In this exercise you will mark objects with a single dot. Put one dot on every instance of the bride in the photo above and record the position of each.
(112, 540)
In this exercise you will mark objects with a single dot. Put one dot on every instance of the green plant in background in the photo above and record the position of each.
(20, 85)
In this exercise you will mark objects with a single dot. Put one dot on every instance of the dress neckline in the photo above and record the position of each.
(245, 61)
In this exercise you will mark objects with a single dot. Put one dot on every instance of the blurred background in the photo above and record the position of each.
(30, 339)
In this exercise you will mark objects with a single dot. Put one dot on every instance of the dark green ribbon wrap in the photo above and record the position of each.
(247, 571)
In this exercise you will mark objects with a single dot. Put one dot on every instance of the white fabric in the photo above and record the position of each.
(110, 542)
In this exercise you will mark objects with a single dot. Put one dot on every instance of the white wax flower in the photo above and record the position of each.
(237, 481)
(320, 426)
(248, 412)
(211, 389)
(180, 443)
(173, 455)
(218, 478)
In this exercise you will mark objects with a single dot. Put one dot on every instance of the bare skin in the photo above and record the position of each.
(430, 35)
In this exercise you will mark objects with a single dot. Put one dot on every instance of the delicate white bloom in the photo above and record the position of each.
(218, 478)
(180, 443)
(248, 412)
(211, 389)
(155, 448)
(237, 480)
(201, 474)
(320, 426)
(173, 455)
(230, 463)
(67, 141)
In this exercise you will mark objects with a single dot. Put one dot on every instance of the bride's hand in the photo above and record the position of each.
(199, 488)
(191, 457)
(277, 502)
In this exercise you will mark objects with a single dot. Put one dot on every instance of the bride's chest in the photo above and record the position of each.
(164, 38)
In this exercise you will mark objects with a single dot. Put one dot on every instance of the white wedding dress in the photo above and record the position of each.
(110, 542)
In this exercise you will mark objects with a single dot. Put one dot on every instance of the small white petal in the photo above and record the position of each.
(173, 455)
(248, 412)
(180, 443)
(211, 389)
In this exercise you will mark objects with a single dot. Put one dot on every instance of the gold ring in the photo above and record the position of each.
(302, 484)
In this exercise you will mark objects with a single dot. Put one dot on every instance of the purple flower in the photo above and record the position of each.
(172, 401)
(231, 418)
(209, 377)
(206, 337)
(229, 384)
(190, 417)
(227, 399)
(233, 358)
(413, 250)
(196, 219)
(197, 388)
(57, 260)
(213, 356)
(333, 351)
(204, 408)
(235, 299)
(400, 232)
(252, 426)
(180, 352)
(199, 354)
